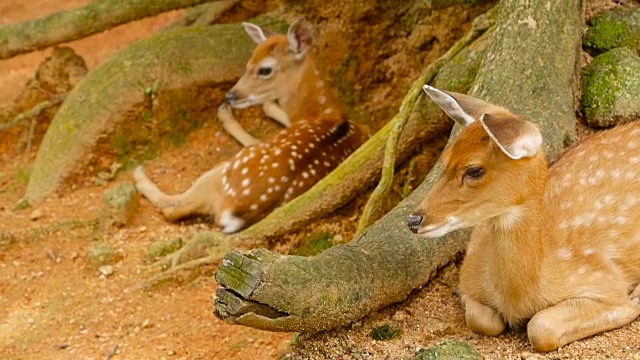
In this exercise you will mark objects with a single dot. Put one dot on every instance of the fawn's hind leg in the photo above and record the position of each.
(200, 198)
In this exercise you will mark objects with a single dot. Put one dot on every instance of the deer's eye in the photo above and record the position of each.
(474, 172)
(264, 71)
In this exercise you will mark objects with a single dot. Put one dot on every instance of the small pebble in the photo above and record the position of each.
(36, 215)
(106, 270)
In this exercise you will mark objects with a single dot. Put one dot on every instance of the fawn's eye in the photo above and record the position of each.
(264, 71)
(473, 172)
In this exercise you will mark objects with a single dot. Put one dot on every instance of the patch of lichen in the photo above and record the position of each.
(611, 88)
(612, 29)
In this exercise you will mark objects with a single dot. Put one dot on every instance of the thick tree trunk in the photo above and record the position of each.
(65, 26)
(530, 67)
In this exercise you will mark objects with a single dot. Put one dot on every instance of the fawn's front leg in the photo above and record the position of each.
(233, 127)
(274, 111)
(481, 318)
(575, 319)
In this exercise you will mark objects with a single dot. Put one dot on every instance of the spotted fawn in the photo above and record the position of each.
(282, 77)
(558, 248)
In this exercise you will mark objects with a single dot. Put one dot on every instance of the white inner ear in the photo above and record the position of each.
(255, 32)
(526, 145)
(450, 105)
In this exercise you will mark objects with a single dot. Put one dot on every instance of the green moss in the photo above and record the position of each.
(611, 88)
(385, 332)
(314, 245)
(613, 29)
(450, 350)
(163, 247)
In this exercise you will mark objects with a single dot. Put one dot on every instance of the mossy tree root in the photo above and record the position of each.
(77, 23)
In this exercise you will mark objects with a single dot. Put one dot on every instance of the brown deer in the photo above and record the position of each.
(264, 175)
(558, 247)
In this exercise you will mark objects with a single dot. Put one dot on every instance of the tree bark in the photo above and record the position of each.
(530, 67)
(69, 25)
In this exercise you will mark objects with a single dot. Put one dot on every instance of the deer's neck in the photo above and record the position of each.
(516, 244)
(313, 98)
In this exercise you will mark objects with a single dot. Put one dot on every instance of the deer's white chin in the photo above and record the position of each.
(245, 103)
(438, 230)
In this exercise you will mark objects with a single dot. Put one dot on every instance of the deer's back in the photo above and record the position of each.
(593, 209)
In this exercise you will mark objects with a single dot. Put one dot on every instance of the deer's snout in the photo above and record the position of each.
(414, 222)
(230, 97)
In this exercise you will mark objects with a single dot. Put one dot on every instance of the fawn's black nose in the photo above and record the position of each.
(230, 97)
(414, 222)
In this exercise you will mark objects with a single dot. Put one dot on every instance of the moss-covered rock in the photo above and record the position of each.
(611, 93)
(612, 29)
(102, 253)
(118, 206)
(450, 350)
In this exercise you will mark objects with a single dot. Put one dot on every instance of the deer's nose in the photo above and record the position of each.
(414, 222)
(230, 96)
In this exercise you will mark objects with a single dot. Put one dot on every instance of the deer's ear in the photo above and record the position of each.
(257, 33)
(516, 137)
(300, 37)
(464, 109)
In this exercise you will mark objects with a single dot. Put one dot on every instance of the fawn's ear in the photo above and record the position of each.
(516, 137)
(464, 109)
(300, 37)
(257, 33)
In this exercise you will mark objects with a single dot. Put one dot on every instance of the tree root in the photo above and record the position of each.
(65, 26)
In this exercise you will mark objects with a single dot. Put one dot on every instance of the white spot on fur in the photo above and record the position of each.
(284, 179)
(244, 171)
(246, 182)
(587, 251)
(253, 207)
(322, 99)
(230, 223)
(328, 111)
(263, 197)
(565, 253)
(246, 192)
(319, 84)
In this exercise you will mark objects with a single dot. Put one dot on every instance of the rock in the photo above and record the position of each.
(36, 215)
(101, 254)
(118, 206)
(611, 93)
(450, 350)
(619, 27)
(105, 270)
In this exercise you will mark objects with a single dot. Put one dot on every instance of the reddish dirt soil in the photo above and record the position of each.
(53, 303)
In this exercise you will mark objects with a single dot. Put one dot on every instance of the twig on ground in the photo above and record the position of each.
(34, 111)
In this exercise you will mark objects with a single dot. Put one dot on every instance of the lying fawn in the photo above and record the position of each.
(264, 175)
(559, 248)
